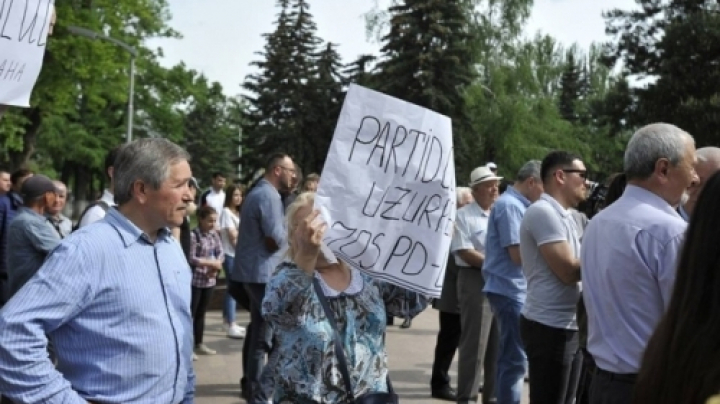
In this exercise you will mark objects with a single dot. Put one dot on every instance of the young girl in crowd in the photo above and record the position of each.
(206, 258)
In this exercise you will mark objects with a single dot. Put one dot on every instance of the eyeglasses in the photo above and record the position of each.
(581, 173)
(292, 170)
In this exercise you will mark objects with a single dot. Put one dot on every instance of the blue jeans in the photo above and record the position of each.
(511, 352)
(230, 306)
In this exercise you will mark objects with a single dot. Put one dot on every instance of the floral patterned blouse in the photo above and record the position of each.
(303, 363)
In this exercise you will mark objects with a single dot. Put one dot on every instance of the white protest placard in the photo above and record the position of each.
(24, 28)
(387, 190)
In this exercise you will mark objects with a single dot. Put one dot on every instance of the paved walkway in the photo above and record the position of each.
(410, 351)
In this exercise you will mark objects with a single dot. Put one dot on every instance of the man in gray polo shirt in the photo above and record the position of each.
(261, 235)
(550, 253)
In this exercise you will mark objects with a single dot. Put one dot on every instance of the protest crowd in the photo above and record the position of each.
(579, 292)
(575, 291)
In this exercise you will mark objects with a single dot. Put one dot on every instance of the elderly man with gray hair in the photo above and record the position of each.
(629, 254)
(114, 298)
(708, 163)
(505, 284)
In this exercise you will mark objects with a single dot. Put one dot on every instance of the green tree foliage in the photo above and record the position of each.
(295, 96)
(79, 106)
(427, 60)
(211, 134)
(672, 46)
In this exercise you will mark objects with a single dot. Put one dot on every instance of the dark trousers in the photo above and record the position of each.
(198, 308)
(608, 388)
(551, 354)
(587, 370)
(447, 343)
(255, 345)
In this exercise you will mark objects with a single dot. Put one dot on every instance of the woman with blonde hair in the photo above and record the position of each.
(328, 321)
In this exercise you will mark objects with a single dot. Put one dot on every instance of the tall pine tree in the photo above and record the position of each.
(570, 89)
(327, 93)
(427, 60)
(281, 113)
(676, 45)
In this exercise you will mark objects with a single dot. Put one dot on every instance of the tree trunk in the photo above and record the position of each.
(20, 159)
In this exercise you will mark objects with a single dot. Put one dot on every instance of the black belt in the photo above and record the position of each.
(620, 377)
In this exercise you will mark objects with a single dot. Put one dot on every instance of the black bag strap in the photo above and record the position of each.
(339, 351)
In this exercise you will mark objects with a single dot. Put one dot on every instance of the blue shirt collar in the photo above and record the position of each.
(642, 194)
(129, 232)
(520, 197)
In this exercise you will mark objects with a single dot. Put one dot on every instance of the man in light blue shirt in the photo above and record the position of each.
(114, 298)
(261, 236)
(629, 255)
(505, 285)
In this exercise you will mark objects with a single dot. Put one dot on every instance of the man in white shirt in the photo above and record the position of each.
(97, 209)
(476, 319)
(215, 196)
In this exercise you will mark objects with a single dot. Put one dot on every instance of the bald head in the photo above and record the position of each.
(708, 163)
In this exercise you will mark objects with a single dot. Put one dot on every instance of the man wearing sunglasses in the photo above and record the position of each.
(550, 254)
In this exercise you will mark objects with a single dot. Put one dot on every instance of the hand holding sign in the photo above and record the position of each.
(307, 237)
(388, 190)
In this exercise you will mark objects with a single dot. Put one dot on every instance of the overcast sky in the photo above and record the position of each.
(220, 37)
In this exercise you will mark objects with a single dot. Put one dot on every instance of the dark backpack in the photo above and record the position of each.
(104, 205)
(203, 198)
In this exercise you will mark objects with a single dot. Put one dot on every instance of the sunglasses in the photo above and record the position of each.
(581, 173)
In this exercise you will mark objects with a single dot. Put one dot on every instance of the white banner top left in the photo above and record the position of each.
(24, 26)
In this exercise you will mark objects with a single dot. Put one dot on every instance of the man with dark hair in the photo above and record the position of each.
(550, 255)
(10, 203)
(261, 235)
(96, 210)
(30, 238)
(311, 183)
(290, 196)
(215, 196)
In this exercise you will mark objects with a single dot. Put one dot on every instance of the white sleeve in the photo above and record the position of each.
(92, 215)
(226, 221)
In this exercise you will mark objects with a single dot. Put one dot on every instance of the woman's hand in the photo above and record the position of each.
(308, 237)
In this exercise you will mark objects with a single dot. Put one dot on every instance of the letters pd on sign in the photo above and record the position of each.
(388, 190)
(24, 28)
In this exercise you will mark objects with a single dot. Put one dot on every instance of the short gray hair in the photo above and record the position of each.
(147, 160)
(651, 143)
(707, 154)
(531, 169)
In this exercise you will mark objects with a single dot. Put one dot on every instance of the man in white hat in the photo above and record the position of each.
(477, 345)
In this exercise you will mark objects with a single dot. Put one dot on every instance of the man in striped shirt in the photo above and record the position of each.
(113, 297)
